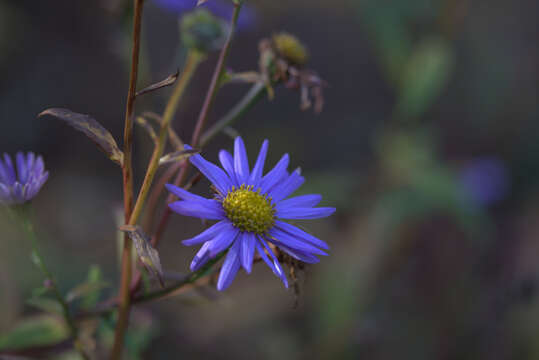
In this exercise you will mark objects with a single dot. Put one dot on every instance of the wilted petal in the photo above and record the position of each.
(278, 270)
(201, 258)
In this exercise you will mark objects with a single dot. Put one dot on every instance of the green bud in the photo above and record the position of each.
(202, 31)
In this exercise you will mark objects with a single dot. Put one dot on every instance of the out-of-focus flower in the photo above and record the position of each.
(220, 8)
(290, 48)
(282, 60)
(20, 185)
(250, 208)
(485, 180)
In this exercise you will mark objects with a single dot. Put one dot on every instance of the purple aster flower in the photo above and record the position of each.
(250, 208)
(219, 8)
(485, 180)
(17, 187)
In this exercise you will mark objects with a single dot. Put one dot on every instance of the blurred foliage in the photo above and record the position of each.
(418, 90)
(35, 331)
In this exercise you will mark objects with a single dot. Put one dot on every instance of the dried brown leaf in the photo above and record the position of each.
(171, 79)
(177, 156)
(147, 254)
(89, 126)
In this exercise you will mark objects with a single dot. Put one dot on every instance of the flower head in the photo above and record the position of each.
(290, 48)
(20, 185)
(485, 180)
(250, 208)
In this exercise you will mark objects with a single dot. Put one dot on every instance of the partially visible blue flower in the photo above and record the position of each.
(485, 180)
(220, 8)
(250, 209)
(20, 185)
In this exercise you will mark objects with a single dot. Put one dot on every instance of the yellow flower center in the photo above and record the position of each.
(249, 210)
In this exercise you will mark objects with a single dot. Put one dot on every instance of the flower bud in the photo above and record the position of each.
(201, 31)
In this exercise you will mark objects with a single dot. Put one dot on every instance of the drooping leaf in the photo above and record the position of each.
(89, 126)
(147, 254)
(177, 156)
(171, 79)
(35, 331)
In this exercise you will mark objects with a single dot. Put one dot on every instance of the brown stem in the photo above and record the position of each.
(124, 295)
(212, 91)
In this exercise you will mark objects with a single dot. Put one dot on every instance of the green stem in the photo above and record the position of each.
(193, 59)
(190, 278)
(210, 95)
(208, 101)
(24, 217)
(247, 102)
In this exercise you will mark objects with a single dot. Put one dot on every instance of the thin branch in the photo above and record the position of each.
(254, 94)
(123, 313)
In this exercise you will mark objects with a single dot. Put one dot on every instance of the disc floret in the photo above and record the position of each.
(249, 210)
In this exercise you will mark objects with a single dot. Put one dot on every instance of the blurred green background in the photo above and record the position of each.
(428, 146)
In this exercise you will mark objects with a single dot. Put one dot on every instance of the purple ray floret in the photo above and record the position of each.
(22, 180)
(251, 210)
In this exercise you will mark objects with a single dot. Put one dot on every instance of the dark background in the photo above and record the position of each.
(427, 146)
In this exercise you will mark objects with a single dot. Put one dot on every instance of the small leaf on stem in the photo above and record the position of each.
(89, 126)
(171, 79)
(147, 254)
(177, 156)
